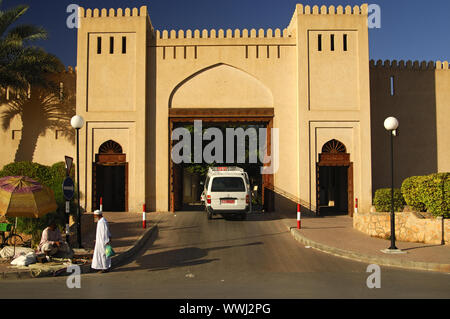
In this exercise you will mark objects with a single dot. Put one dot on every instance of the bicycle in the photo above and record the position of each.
(12, 239)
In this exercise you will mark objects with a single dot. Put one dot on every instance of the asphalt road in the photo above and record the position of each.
(192, 257)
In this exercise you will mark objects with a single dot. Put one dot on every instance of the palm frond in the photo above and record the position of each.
(26, 32)
(8, 17)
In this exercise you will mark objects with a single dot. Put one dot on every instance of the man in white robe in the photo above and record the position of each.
(103, 237)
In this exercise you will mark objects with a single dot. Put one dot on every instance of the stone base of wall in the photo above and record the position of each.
(409, 226)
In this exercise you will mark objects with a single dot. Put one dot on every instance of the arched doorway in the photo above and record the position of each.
(110, 178)
(334, 180)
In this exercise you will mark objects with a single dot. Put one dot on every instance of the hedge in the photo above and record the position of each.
(428, 193)
(382, 200)
(51, 176)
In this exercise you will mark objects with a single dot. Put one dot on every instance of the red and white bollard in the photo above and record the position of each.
(299, 217)
(144, 220)
(356, 205)
(101, 204)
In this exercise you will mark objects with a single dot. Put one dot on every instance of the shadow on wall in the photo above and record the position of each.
(285, 204)
(41, 109)
(409, 95)
(150, 148)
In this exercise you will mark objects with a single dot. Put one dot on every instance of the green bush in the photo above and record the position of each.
(50, 176)
(411, 193)
(428, 193)
(382, 200)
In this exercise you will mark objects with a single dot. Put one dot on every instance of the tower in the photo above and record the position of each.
(111, 97)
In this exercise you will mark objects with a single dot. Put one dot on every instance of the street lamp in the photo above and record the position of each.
(391, 125)
(77, 123)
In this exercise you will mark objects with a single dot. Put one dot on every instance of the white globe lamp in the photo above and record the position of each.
(77, 122)
(391, 123)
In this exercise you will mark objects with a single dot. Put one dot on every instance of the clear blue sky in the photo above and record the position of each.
(411, 29)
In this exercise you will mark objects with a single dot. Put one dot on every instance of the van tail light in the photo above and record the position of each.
(208, 199)
(247, 199)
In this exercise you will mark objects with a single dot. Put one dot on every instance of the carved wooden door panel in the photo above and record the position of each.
(317, 189)
(350, 190)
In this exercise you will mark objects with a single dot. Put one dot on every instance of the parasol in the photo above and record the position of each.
(21, 196)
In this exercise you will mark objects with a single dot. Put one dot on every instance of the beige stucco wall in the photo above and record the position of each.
(443, 116)
(39, 129)
(334, 103)
(111, 91)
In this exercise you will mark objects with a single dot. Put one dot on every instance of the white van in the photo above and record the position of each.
(227, 191)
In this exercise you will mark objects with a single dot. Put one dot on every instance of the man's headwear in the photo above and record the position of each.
(98, 212)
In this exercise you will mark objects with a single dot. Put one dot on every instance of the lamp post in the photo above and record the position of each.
(77, 123)
(391, 125)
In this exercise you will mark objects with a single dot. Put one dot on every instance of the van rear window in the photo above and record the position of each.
(228, 184)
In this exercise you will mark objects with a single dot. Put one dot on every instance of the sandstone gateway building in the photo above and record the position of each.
(313, 81)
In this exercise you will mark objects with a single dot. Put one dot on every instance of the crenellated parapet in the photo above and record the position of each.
(409, 65)
(70, 70)
(109, 13)
(332, 10)
(221, 34)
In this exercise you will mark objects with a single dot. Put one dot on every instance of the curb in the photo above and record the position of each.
(116, 261)
(413, 265)
(16, 275)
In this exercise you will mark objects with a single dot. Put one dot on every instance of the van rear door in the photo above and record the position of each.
(228, 193)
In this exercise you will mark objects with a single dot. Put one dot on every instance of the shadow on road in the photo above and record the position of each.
(174, 258)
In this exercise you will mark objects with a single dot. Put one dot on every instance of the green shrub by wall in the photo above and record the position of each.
(51, 176)
(411, 193)
(428, 193)
(382, 200)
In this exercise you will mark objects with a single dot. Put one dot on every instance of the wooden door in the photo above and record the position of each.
(350, 190)
(317, 189)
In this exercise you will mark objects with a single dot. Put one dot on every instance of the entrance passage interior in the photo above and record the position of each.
(186, 179)
(110, 178)
(334, 180)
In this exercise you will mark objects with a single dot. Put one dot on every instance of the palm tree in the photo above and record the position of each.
(34, 76)
(22, 65)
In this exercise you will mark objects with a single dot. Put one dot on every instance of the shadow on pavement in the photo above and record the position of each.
(174, 258)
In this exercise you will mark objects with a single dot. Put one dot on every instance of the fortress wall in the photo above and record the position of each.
(416, 93)
(48, 134)
(443, 115)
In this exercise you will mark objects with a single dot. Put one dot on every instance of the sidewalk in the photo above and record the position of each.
(335, 235)
(128, 236)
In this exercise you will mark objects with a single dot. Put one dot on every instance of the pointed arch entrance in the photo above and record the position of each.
(110, 178)
(334, 180)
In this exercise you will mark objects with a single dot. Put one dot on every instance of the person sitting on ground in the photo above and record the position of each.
(52, 242)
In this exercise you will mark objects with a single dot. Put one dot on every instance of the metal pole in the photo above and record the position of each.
(78, 190)
(392, 194)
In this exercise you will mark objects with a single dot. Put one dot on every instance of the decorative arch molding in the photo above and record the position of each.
(334, 146)
(221, 86)
(110, 147)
